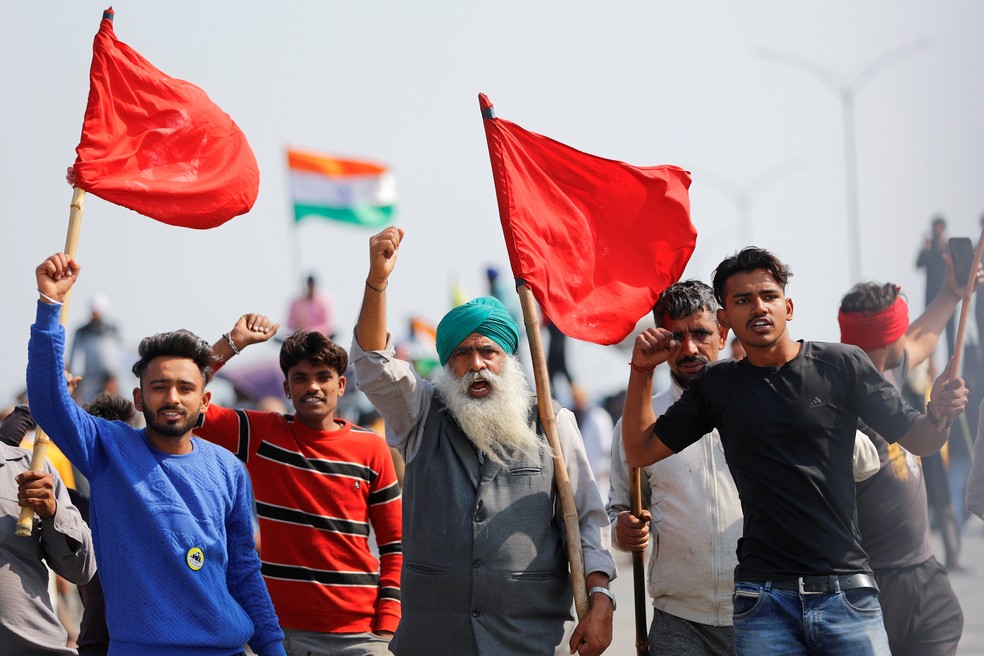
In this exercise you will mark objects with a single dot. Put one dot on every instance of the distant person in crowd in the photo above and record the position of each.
(596, 428)
(557, 354)
(312, 311)
(486, 569)
(99, 347)
(737, 350)
(320, 483)
(942, 505)
(921, 612)
(931, 258)
(979, 308)
(505, 294)
(59, 540)
(787, 415)
(975, 482)
(171, 514)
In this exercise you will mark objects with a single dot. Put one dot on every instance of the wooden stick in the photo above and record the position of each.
(25, 524)
(965, 311)
(639, 568)
(569, 511)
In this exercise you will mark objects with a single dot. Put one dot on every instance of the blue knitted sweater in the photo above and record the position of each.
(172, 533)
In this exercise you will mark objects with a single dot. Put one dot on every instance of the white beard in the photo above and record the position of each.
(498, 424)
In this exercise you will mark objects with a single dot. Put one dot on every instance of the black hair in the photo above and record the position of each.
(176, 344)
(111, 406)
(314, 347)
(869, 297)
(747, 260)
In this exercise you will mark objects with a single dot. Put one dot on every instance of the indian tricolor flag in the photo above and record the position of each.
(347, 190)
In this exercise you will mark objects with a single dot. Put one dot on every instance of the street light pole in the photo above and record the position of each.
(745, 197)
(846, 92)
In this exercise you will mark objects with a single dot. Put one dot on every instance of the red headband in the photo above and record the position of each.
(874, 331)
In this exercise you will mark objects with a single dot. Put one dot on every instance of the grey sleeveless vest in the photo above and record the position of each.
(485, 568)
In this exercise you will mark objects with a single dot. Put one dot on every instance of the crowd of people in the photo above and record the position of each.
(786, 496)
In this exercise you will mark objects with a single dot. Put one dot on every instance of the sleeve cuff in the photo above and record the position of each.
(46, 311)
(272, 648)
(387, 621)
(66, 523)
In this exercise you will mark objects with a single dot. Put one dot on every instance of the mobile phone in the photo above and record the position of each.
(962, 254)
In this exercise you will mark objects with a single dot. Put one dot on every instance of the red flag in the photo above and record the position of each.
(159, 145)
(596, 240)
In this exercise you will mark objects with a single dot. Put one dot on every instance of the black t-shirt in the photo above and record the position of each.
(788, 434)
(892, 510)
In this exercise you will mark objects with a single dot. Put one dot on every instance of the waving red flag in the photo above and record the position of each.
(596, 240)
(159, 145)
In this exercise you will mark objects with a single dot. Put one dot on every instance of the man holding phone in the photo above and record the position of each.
(932, 259)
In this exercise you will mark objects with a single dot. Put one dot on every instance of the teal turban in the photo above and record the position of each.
(486, 316)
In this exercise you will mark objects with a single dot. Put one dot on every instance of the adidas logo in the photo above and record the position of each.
(817, 403)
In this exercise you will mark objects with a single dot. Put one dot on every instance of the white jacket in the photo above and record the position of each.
(697, 521)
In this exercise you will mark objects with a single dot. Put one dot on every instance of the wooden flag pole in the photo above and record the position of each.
(965, 310)
(569, 511)
(638, 568)
(25, 524)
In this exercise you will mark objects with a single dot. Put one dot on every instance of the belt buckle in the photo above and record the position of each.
(799, 582)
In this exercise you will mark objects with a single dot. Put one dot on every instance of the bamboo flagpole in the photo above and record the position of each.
(25, 524)
(575, 556)
(638, 568)
(113, 151)
(965, 309)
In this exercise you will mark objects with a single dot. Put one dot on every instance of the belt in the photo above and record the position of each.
(823, 584)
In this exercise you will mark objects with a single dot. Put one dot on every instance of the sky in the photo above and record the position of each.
(644, 82)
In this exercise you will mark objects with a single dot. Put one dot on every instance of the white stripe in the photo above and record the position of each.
(349, 191)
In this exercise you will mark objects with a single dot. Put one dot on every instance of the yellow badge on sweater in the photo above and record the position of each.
(195, 558)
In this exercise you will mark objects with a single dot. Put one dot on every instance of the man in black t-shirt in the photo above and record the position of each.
(921, 612)
(787, 416)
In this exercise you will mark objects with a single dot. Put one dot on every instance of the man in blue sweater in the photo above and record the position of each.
(170, 514)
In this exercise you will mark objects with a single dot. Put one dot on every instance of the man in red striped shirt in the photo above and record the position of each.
(319, 483)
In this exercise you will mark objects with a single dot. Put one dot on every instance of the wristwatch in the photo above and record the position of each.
(605, 591)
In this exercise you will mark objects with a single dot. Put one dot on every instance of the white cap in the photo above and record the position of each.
(99, 303)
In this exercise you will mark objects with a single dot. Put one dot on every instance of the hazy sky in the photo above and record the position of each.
(645, 82)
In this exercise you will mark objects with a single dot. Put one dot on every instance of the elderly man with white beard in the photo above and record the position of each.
(485, 566)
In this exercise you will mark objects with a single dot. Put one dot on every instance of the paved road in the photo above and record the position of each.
(968, 585)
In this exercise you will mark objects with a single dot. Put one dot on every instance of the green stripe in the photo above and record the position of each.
(364, 215)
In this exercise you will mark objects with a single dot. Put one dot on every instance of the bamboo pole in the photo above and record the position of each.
(25, 524)
(569, 511)
(638, 568)
(965, 311)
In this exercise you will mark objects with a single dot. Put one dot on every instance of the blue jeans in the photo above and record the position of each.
(785, 622)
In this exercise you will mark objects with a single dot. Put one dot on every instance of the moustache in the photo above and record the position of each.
(692, 359)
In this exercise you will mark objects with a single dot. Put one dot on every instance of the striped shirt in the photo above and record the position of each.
(317, 493)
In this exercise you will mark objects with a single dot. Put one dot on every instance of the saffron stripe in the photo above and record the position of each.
(324, 164)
